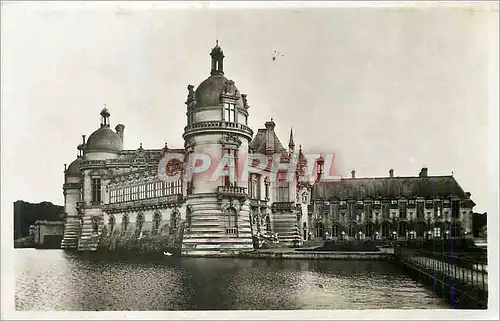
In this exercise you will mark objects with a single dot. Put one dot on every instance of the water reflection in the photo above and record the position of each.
(54, 280)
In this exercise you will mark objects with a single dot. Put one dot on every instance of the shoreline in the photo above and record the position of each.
(274, 254)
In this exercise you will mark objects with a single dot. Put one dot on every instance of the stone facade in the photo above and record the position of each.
(392, 207)
(117, 200)
(159, 200)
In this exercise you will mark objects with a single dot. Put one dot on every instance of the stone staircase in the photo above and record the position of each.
(285, 224)
(88, 241)
(71, 233)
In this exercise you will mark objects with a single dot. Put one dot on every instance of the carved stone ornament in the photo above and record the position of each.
(230, 89)
(230, 140)
(224, 207)
(191, 93)
(189, 144)
(245, 102)
(107, 174)
(236, 205)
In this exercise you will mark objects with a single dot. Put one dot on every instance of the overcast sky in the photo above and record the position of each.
(382, 88)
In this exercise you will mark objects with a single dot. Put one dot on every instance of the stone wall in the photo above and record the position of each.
(147, 244)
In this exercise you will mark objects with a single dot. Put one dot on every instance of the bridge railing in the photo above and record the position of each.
(458, 268)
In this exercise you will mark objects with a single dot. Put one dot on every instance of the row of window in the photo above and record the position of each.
(395, 202)
(157, 218)
(401, 215)
(254, 187)
(145, 191)
(231, 224)
(228, 114)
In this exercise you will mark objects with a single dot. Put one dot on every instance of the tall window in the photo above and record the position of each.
(385, 210)
(125, 222)
(437, 232)
(231, 227)
(138, 224)
(230, 166)
(455, 209)
(174, 221)
(420, 210)
(351, 209)
(438, 209)
(229, 112)
(156, 222)
(111, 224)
(402, 210)
(96, 190)
(282, 186)
(254, 187)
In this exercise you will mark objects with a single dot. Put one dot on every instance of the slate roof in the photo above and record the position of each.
(259, 142)
(386, 187)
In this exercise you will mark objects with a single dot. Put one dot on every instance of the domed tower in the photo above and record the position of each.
(216, 142)
(102, 145)
(72, 192)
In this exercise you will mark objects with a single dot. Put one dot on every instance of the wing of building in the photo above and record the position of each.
(410, 207)
(229, 189)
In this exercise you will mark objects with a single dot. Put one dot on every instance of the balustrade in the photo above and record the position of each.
(232, 191)
(219, 124)
(283, 206)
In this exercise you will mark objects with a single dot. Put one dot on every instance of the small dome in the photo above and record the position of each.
(104, 140)
(73, 169)
(210, 90)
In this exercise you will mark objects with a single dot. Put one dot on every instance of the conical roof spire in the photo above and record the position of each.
(291, 144)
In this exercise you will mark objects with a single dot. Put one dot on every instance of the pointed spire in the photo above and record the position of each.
(291, 144)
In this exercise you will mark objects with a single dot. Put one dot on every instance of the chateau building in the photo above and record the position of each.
(391, 207)
(252, 190)
(116, 198)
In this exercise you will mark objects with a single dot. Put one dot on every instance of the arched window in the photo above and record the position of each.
(174, 221)
(111, 224)
(231, 224)
(156, 222)
(125, 221)
(138, 224)
(319, 229)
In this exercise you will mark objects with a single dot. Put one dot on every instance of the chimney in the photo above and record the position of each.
(423, 172)
(83, 138)
(353, 173)
(270, 137)
(119, 130)
(391, 173)
(468, 194)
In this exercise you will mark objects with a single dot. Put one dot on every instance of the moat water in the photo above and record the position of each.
(52, 280)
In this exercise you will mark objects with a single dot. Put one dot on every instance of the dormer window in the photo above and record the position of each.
(230, 112)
